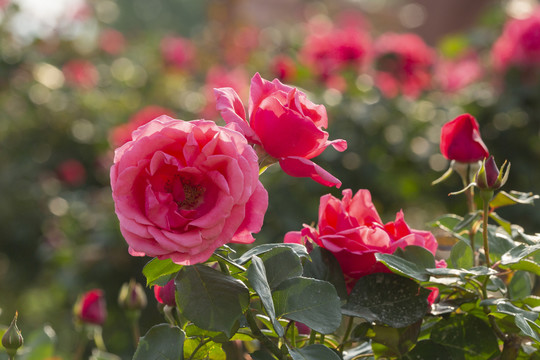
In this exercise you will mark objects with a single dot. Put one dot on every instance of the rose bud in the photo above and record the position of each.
(489, 178)
(165, 294)
(132, 296)
(12, 339)
(461, 141)
(91, 308)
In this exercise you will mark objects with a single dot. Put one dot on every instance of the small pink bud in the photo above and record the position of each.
(489, 177)
(132, 296)
(91, 307)
(166, 294)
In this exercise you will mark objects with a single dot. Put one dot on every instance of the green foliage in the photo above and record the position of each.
(161, 342)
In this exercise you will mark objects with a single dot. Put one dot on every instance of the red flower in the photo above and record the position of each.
(81, 73)
(461, 141)
(283, 67)
(352, 230)
(178, 52)
(165, 294)
(404, 63)
(71, 172)
(91, 307)
(112, 41)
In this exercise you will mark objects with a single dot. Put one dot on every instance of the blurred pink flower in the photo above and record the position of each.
(284, 124)
(72, 172)
(241, 44)
(178, 52)
(220, 77)
(112, 41)
(403, 64)
(283, 67)
(329, 48)
(4, 3)
(519, 44)
(182, 189)
(121, 134)
(353, 231)
(81, 73)
(91, 307)
(455, 74)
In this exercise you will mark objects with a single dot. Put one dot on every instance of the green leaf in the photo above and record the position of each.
(447, 221)
(527, 265)
(499, 243)
(256, 274)
(208, 351)
(519, 252)
(299, 249)
(40, 344)
(210, 299)
(523, 324)
(418, 255)
(520, 285)
(161, 342)
(467, 221)
(312, 302)
(313, 352)
(507, 307)
(461, 256)
(466, 337)
(281, 263)
(262, 355)
(506, 225)
(159, 272)
(324, 266)
(102, 355)
(402, 266)
(389, 299)
(514, 197)
(392, 342)
(362, 349)
(427, 349)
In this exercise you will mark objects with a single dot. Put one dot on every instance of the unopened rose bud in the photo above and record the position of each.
(489, 178)
(132, 296)
(165, 294)
(12, 339)
(91, 308)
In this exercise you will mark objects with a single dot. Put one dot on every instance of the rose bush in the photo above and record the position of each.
(284, 123)
(353, 231)
(461, 141)
(182, 189)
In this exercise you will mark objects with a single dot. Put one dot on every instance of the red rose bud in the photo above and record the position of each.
(461, 141)
(489, 177)
(12, 339)
(165, 294)
(132, 296)
(91, 308)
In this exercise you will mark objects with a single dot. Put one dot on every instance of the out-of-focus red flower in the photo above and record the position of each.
(461, 140)
(122, 133)
(283, 67)
(329, 48)
(241, 44)
(453, 75)
(403, 64)
(112, 41)
(4, 3)
(71, 172)
(519, 44)
(165, 294)
(81, 73)
(353, 231)
(178, 52)
(91, 307)
(220, 77)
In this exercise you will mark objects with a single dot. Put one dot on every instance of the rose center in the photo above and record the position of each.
(186, 193)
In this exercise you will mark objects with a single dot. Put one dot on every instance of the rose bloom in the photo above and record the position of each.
(121, 134)
(519, 44)
(71, 172)
(404, 64)
(284, 124)
(283, 67)
(81, 73)
(178, 52)
(353, 231)
(112, 41)
(91, 307)
(165, 294)
(456, 74)
(182, 189)
(461, 140)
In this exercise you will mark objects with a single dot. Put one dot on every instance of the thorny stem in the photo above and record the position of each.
(262, 338)
(471, 207)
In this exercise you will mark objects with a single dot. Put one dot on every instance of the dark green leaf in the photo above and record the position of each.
(506, 225)
(392, 342)
(324, 266)
(499, 243)
(466, 337)
(208, 351)
(281, 263)
(467, 221)
(210, 299)
(299, 249)
(312, 302)
(524, 325)
(256, 274)
(313, 352)
(429, 350)
(461, 256)
(402, 266)
(519, 252)
(261, 355)
(388, 299)
(476, 271)
(520, 286)
(159, 272)
(514, 197)
(161, 342)
(362, 349)
(102, 355)
(507, 307)
(527, 265)
(418, 255)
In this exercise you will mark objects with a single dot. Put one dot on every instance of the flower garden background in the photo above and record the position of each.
(74, 87)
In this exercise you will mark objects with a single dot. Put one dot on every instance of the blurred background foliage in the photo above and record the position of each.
(73, 72)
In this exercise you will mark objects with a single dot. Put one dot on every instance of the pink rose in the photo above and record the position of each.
(72, 172)
(218, 77)
(461, 140)
(166, 294)
(404, 64)
(91, 307)
(112, 41)
(454, 75)
(182, 189)
(81, 73)
(284, 123)
(177, 51)
(352, 230)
